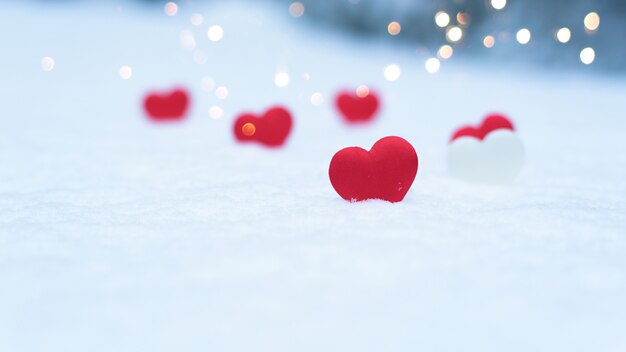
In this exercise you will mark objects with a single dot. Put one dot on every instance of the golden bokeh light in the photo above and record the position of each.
(445, 52)
(394, 28)
(248, 129)
(592, 21)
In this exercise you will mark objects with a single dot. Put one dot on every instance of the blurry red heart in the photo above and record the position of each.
(490, 123)
(360, 107)
(385, 172)
(170, 106)
(271, 129)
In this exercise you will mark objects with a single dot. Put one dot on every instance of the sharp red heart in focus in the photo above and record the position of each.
(385, 172)
(359, 107)
(170, 106)
(271, 129)
(490, 123)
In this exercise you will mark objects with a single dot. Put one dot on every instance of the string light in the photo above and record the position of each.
(454, 34)
(215, 33)
(587, 56)
(442, 19)
(432, 65)
(47, 63)
(523, 36)
(489, 41)
(296, 9)
(592, 21)
(392, 72)
(394, 28)
(563, 35)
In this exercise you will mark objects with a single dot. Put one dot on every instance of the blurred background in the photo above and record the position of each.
(559, 33)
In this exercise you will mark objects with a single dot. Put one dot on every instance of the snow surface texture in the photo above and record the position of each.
(120, 235)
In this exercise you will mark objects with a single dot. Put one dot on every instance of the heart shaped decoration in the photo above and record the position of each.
(489, 124)
(271, 129)
(357, 108)
(490, 154)
(169, 106)
(385, 172)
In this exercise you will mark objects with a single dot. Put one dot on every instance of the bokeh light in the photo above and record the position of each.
(394, 28)
(317, 99)
(523, 36)
(248, 129)
(489, 41)
(221, 92)
(362, 91)
(207, 83)
(47, 63)
(587, 56)
(281, 79)
(296, 9)
(215, 112)
(171, 9)
(498, 4)
(563, 35)
(126, 72)
(187, 40)
(215, 33)
(432, 65)
(445, 52)
(392, 72)
(200, 57)
(442, 19)
(454, 34)
(197, 19)
(592, 21)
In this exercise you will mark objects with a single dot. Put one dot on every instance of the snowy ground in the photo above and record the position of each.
(119, 235)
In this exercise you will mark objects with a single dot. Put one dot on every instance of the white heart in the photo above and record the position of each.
(496, 159)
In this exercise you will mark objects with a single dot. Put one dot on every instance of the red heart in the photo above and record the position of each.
(170, 106)
(271, 129)
(490, 123)
(385, 172)
(356, 108)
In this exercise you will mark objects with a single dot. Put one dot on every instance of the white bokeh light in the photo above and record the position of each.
(281, 79)
(317, 99)
(498, 4)
(432, 65)
(215, 33)
(442, 19)
(207, 83)
(563, 35)
(215, 112)
(587, 56)
(454, 34)
(523, 36)
(197, 19)
(126, 72)
(296, 9)
(392, 72)
(187, 40)
(47, 63)
(221, 92)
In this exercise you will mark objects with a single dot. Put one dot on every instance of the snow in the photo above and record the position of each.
(120, 235)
